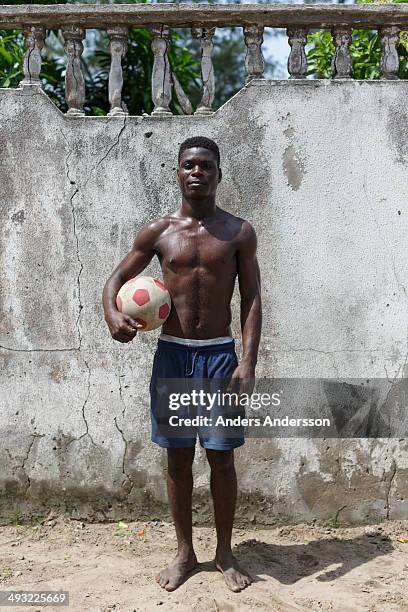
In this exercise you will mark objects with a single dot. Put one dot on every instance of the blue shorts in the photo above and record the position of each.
(181, 366)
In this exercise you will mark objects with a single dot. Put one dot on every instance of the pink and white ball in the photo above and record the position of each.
(146, 300)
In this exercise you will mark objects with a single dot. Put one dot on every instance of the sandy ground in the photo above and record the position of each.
(112, 567)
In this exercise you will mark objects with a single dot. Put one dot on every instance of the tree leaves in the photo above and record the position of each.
(365, 52)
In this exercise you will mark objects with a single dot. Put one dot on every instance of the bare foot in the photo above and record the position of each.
(235, 577)
(172, 576)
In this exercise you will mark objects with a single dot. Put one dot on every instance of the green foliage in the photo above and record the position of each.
(320, 55)
(365, 54)
(137, 67)
(11, 58)
(184, 56)
(364, 50)
(137, 71)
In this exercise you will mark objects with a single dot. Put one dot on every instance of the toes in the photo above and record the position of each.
(238, 583)
(234, 585)
(162, 580)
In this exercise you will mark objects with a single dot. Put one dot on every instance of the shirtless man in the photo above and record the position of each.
(201, 249)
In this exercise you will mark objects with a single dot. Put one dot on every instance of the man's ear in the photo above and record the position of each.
(219, 175)
(177, 176)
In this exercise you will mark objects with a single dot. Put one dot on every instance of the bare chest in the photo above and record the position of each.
(199, 248)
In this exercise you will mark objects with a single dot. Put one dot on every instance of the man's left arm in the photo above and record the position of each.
(251, 308)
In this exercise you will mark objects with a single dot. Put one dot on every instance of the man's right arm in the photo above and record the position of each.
(122, 327)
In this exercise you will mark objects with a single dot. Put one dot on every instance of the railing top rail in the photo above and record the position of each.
(181, 15)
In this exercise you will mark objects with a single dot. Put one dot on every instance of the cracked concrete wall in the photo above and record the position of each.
(320, 169)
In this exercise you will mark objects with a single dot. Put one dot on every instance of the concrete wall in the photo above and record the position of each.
(320, 169)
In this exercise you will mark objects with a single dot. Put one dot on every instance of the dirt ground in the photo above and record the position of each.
(112, 567)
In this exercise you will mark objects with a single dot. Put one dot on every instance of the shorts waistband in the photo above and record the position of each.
(222, 343)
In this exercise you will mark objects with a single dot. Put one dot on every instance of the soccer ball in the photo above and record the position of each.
(146, 300)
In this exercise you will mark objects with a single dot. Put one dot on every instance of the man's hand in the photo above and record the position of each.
(242, 379)
(121, 326)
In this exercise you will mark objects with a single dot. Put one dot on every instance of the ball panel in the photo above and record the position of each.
(164, 311)
(159, 283)
(119, 303)
(141, 297)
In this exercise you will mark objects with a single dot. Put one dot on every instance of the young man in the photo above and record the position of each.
(201, 249)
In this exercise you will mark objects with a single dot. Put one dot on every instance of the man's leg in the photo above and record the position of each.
(179, 489)
(224, 493)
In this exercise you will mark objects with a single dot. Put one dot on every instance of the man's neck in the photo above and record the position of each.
(198, 209)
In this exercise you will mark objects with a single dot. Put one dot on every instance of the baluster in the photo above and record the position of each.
(389, 63)
(161, 74)
(341, 64)
(118, 37)
(254, 61)
(207, 70)
(34, 42)
(181, 96)
(74, 80)
(297, 61)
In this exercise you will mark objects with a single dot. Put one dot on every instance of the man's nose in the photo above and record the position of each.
(196, 170)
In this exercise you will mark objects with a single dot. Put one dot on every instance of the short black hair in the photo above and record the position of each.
(200, 141)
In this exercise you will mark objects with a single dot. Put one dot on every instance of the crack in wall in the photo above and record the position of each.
(28, 63)
(72, 196)
(10, 456)
(81, 266)
(98, 163)
(121, 396)
(74, 63)
(387, 376)
(291, 349)
(127, 476)
(39, 350)
(393, 473)
(25, 459)
(83, 407)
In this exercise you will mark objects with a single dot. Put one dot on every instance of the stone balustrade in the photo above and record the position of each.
(74, 19)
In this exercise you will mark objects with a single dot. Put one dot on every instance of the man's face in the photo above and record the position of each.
(198, 173)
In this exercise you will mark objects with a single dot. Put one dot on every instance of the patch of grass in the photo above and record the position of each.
(333, 521)
(5, 573)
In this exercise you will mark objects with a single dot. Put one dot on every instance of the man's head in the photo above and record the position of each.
(203, 143)
(199, 171)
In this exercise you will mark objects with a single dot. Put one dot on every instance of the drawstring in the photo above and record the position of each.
(192, 364)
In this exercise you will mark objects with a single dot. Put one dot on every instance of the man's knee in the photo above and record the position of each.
(221, 461)
(179, 462)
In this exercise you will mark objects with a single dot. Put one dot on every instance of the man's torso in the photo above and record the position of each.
(199, 261)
